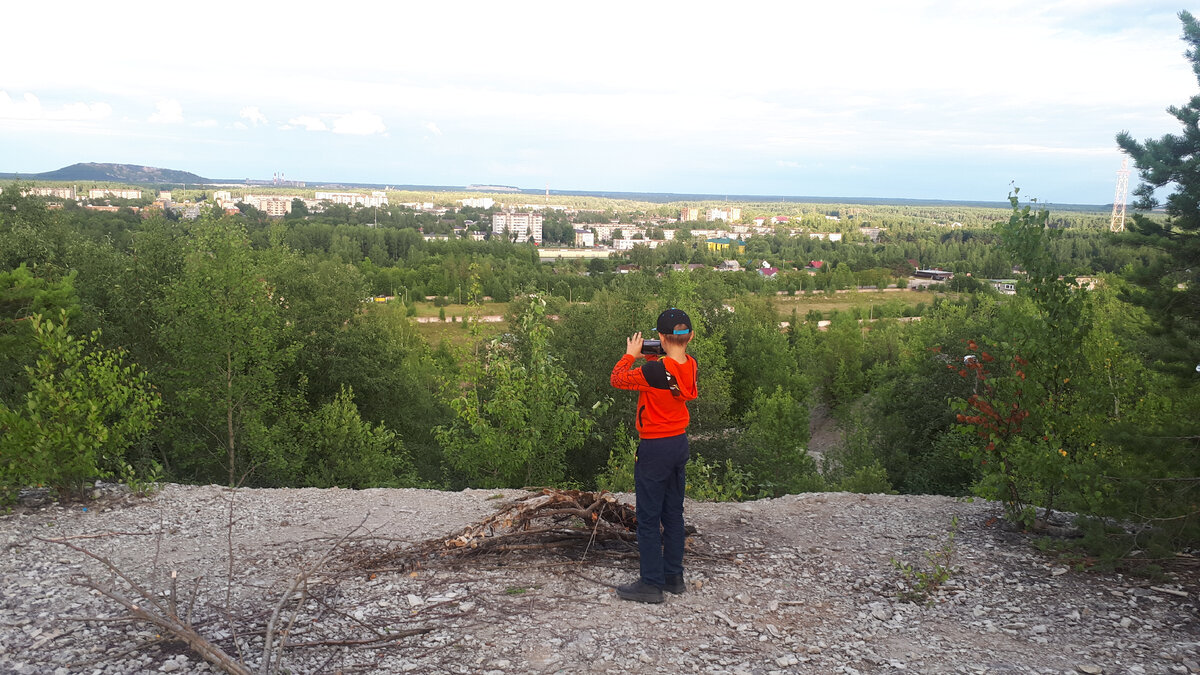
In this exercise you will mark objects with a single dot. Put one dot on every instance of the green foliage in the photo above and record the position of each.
(711, 482)
(143, 483)
(226, 350)
(773, 443)
(345, 451)
(22, 296)
(1171, 286)
(618, 474)
(920, 581)
(83, 408)
(517, 421)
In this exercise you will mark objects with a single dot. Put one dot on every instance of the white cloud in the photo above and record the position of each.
(253, 114)
(308, 123)
(433, 128)
(30, 108)
(168, 111)
(358, 123)
(206, 124)
(240, 126)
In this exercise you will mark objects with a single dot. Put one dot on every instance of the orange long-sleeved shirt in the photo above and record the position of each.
(664, 387)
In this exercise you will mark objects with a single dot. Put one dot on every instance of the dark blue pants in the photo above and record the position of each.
(659, 478)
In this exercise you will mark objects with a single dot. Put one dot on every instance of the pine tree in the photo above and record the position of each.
(1172, 289)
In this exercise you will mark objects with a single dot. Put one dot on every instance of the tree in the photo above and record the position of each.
(517, 422)
(774, 443)
(223, 334)
(1173, 161)
(83, 408)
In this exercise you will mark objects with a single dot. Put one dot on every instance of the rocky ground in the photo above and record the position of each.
(801, 584)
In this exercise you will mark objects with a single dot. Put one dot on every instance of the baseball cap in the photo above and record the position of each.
(671, 318)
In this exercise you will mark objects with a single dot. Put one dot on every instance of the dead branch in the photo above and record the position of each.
(550, 518)
(156, 614)
(301, 580)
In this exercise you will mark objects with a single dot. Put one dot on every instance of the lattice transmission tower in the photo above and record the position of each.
(1118, 214)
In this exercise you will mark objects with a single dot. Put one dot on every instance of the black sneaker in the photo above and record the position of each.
(675, 584)
(640, 592)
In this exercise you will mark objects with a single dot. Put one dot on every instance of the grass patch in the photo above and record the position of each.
(825, 303)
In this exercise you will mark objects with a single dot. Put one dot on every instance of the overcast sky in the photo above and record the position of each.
(886, 98)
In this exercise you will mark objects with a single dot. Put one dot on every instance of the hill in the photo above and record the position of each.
(799, 584)
(114, 173)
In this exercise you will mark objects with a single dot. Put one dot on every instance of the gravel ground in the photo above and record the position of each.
(800, 584)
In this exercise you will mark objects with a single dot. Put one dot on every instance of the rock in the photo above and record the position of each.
(170, 666)
(1059, 571)
(1089, 669)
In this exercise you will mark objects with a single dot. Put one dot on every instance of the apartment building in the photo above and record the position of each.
(520, 226)
(104, 193)
(376, 198)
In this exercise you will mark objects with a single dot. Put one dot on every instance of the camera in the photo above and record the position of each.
(653, 347)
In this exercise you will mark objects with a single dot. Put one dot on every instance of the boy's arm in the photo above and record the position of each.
(625, 376)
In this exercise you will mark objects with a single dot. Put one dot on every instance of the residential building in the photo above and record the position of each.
(478, 202)
(735, 246)
(831, 236)
(376, 198)
(628, 244)
(728, 214)
(585, 238)
(272, 205)
(61, 193)
(104, 193)
(689, 213)
(520, 226)
(1005, 286)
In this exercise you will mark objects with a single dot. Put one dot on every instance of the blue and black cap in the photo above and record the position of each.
(671, 318)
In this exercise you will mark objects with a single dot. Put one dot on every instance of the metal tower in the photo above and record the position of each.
(1118, 214)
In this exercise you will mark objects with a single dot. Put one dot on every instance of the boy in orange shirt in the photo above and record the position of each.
(664, 385)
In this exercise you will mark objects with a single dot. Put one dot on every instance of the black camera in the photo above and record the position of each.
(653, 347)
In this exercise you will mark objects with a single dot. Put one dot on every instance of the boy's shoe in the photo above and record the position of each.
(640, 591)
(675, 584)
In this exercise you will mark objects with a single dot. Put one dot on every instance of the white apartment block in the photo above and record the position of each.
(222, 196)
(585, 238)
(478, 202)
(376, 198)
(272, 205)
(115, 194)
(728, 214)
(61, 193)
(689, 213)
(628, 244)
(831, 236)
(520, 226)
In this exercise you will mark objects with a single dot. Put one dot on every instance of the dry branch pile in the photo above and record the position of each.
(547, 519)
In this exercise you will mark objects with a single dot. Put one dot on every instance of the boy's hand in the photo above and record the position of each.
(633, 345)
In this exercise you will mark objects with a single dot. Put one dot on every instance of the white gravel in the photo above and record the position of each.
(801, 584)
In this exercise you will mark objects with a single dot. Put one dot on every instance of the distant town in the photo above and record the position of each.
(722, 228)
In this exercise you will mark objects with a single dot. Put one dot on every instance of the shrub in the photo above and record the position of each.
(83, 409)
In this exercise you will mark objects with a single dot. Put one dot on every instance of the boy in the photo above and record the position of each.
(665, 385)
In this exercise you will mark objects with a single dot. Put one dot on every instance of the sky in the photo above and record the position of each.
(920, 99)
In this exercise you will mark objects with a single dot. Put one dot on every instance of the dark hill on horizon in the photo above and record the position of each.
(113, 173)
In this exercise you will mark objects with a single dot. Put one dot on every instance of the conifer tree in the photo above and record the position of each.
(1172, 291)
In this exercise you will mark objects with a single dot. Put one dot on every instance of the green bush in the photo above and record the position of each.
(84, 407)
(343, 450)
